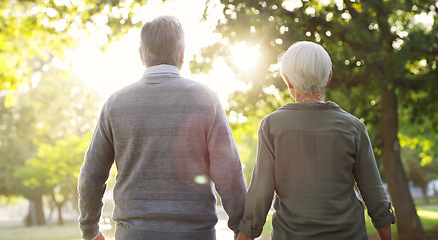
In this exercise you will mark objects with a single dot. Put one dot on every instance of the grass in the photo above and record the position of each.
(69, 231)
(428, 216)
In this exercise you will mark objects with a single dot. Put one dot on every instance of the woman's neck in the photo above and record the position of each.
(317, 96)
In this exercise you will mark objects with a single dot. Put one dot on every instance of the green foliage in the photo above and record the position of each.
(245, 128)
(371, 43)
(417, 135)
(420, 157)
(54, 169)
(361, 37)
(48, 116)
(32, 33)
(16, 144)
(61, 105)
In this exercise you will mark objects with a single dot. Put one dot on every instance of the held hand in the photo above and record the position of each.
(242, 236)
(99, 237)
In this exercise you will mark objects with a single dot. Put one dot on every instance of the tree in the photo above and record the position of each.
(418, 169)
(15, 144)
(47, 116)
(380, 51)
(419, 155)
(33, 32)
(53, 171)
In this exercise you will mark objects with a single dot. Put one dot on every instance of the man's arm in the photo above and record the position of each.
(225, 167)
(92, 178)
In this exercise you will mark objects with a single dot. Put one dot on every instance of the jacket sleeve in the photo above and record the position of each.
(93, 176)
(368, 180)
(262, 187)
(225, 166)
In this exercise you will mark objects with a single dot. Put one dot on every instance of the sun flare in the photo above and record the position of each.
(245, 56)
(120, 64)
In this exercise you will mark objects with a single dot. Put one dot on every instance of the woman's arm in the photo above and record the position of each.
(261, 189)
(367, 177)
(384, 233)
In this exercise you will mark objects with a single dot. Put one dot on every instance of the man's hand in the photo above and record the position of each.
(99, 237)
(242, 236)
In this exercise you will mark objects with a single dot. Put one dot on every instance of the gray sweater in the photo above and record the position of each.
(312, 155)
(170, 140)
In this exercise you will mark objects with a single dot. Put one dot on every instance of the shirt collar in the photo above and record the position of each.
(310, 105)
(159, 70)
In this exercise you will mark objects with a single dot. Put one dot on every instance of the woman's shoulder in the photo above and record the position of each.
(349, 119)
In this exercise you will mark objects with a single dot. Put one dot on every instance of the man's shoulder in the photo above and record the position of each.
(179, 86)
(125, 91)
(196, 89)
(196, 85)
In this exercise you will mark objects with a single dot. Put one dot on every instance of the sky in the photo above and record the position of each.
(120, 64)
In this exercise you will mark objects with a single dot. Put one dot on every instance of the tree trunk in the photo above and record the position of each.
(424, 192)
(434, 187)
(75, 199)
(35, 214)
(408, 223)
(60, 219)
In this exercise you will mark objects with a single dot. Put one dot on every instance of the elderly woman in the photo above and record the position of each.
(311, 154)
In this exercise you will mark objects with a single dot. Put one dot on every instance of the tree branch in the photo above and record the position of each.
(382, 21)
(352, 80)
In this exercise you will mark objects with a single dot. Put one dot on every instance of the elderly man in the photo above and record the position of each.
(170, 140)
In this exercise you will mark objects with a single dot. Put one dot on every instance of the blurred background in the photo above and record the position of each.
(61, 59)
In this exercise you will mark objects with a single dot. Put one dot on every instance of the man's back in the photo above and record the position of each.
(170, 138)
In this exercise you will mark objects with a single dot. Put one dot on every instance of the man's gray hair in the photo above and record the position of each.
(307, 66)
(162, 41)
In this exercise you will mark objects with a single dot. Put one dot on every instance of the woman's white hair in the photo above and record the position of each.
(162, 41)
(307, 66)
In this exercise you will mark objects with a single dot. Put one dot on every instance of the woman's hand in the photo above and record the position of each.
(99, 237)
(384, 233)
(242, 236)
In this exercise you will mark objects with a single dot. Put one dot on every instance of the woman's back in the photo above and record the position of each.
(315, 152)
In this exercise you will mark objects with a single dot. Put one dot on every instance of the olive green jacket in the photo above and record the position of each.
(311, 155)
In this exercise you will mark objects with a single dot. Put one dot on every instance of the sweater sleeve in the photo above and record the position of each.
(225, 167)
(261, 189)
(368, 180)
(93, 176)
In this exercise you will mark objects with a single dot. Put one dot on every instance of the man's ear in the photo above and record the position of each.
(181, 58)
(330, 77)
(141, 55)
(286, 80)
